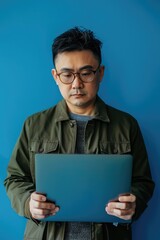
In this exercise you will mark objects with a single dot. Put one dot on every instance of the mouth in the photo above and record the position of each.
(77, 94)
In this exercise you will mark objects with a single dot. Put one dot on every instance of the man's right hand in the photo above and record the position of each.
(40, 208)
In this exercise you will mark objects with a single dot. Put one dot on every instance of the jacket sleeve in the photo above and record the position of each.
(142, 183)
(19, 184)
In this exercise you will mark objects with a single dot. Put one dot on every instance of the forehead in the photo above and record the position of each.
(75, 59)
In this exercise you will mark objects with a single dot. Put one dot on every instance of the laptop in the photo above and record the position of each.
(82, 184)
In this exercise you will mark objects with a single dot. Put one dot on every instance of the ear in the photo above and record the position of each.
(101, 72)
(54, 74)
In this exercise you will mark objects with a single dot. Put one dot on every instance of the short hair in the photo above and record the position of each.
(79, 39)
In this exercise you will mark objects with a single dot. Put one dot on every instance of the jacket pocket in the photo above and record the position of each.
(115, 147)
(44, 146)
(41, 147)
(34, 231)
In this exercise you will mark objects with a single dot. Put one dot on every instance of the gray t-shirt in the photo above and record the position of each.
(79, 230)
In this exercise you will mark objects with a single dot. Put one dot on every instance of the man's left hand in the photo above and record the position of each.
(124, 208)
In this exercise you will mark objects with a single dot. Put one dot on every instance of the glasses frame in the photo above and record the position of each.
(77, 73)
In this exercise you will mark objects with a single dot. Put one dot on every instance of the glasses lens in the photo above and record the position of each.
(87, 75)
(66, 77)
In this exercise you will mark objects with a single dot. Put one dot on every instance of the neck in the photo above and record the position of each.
(88, 111)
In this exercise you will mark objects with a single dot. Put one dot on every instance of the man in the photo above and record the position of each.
(80, 123)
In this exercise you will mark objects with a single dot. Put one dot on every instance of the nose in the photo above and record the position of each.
(77, 83)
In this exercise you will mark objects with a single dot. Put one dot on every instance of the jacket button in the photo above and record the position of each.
(71, 124)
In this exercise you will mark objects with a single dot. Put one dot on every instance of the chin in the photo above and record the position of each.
(79, 104)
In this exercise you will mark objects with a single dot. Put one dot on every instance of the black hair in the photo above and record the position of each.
(77, 39)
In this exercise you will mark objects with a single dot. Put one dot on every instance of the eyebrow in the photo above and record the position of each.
(82, 68)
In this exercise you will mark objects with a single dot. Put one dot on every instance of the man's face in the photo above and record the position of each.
(80, 96)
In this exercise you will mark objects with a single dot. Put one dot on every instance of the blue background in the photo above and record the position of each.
(130, 32)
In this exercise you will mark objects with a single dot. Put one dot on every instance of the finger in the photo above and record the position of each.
(38, 197)
(119, 205)
(122, 205)
(123, 214)
(39, 217)
(127, 198)
(54, 211)
(43, 205)
(122, 208)
(43, 213)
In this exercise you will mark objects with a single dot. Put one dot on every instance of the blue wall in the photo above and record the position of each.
(130, 31)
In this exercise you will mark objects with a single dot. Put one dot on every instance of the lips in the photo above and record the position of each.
(77, 93)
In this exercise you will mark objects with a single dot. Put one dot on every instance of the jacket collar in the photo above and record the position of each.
(100, 111)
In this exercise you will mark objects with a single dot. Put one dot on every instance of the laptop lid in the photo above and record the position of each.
(82, 184)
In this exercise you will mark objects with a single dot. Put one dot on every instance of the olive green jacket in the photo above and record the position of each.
(51, 131)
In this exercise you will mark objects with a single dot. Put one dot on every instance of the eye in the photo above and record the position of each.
(86, 73)
(66, 74)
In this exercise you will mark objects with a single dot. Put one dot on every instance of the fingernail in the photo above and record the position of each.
(57, 209)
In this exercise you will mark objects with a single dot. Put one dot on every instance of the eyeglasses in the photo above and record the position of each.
(85, 75)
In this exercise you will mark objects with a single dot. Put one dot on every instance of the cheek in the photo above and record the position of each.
(64, 91)
(94, 88)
